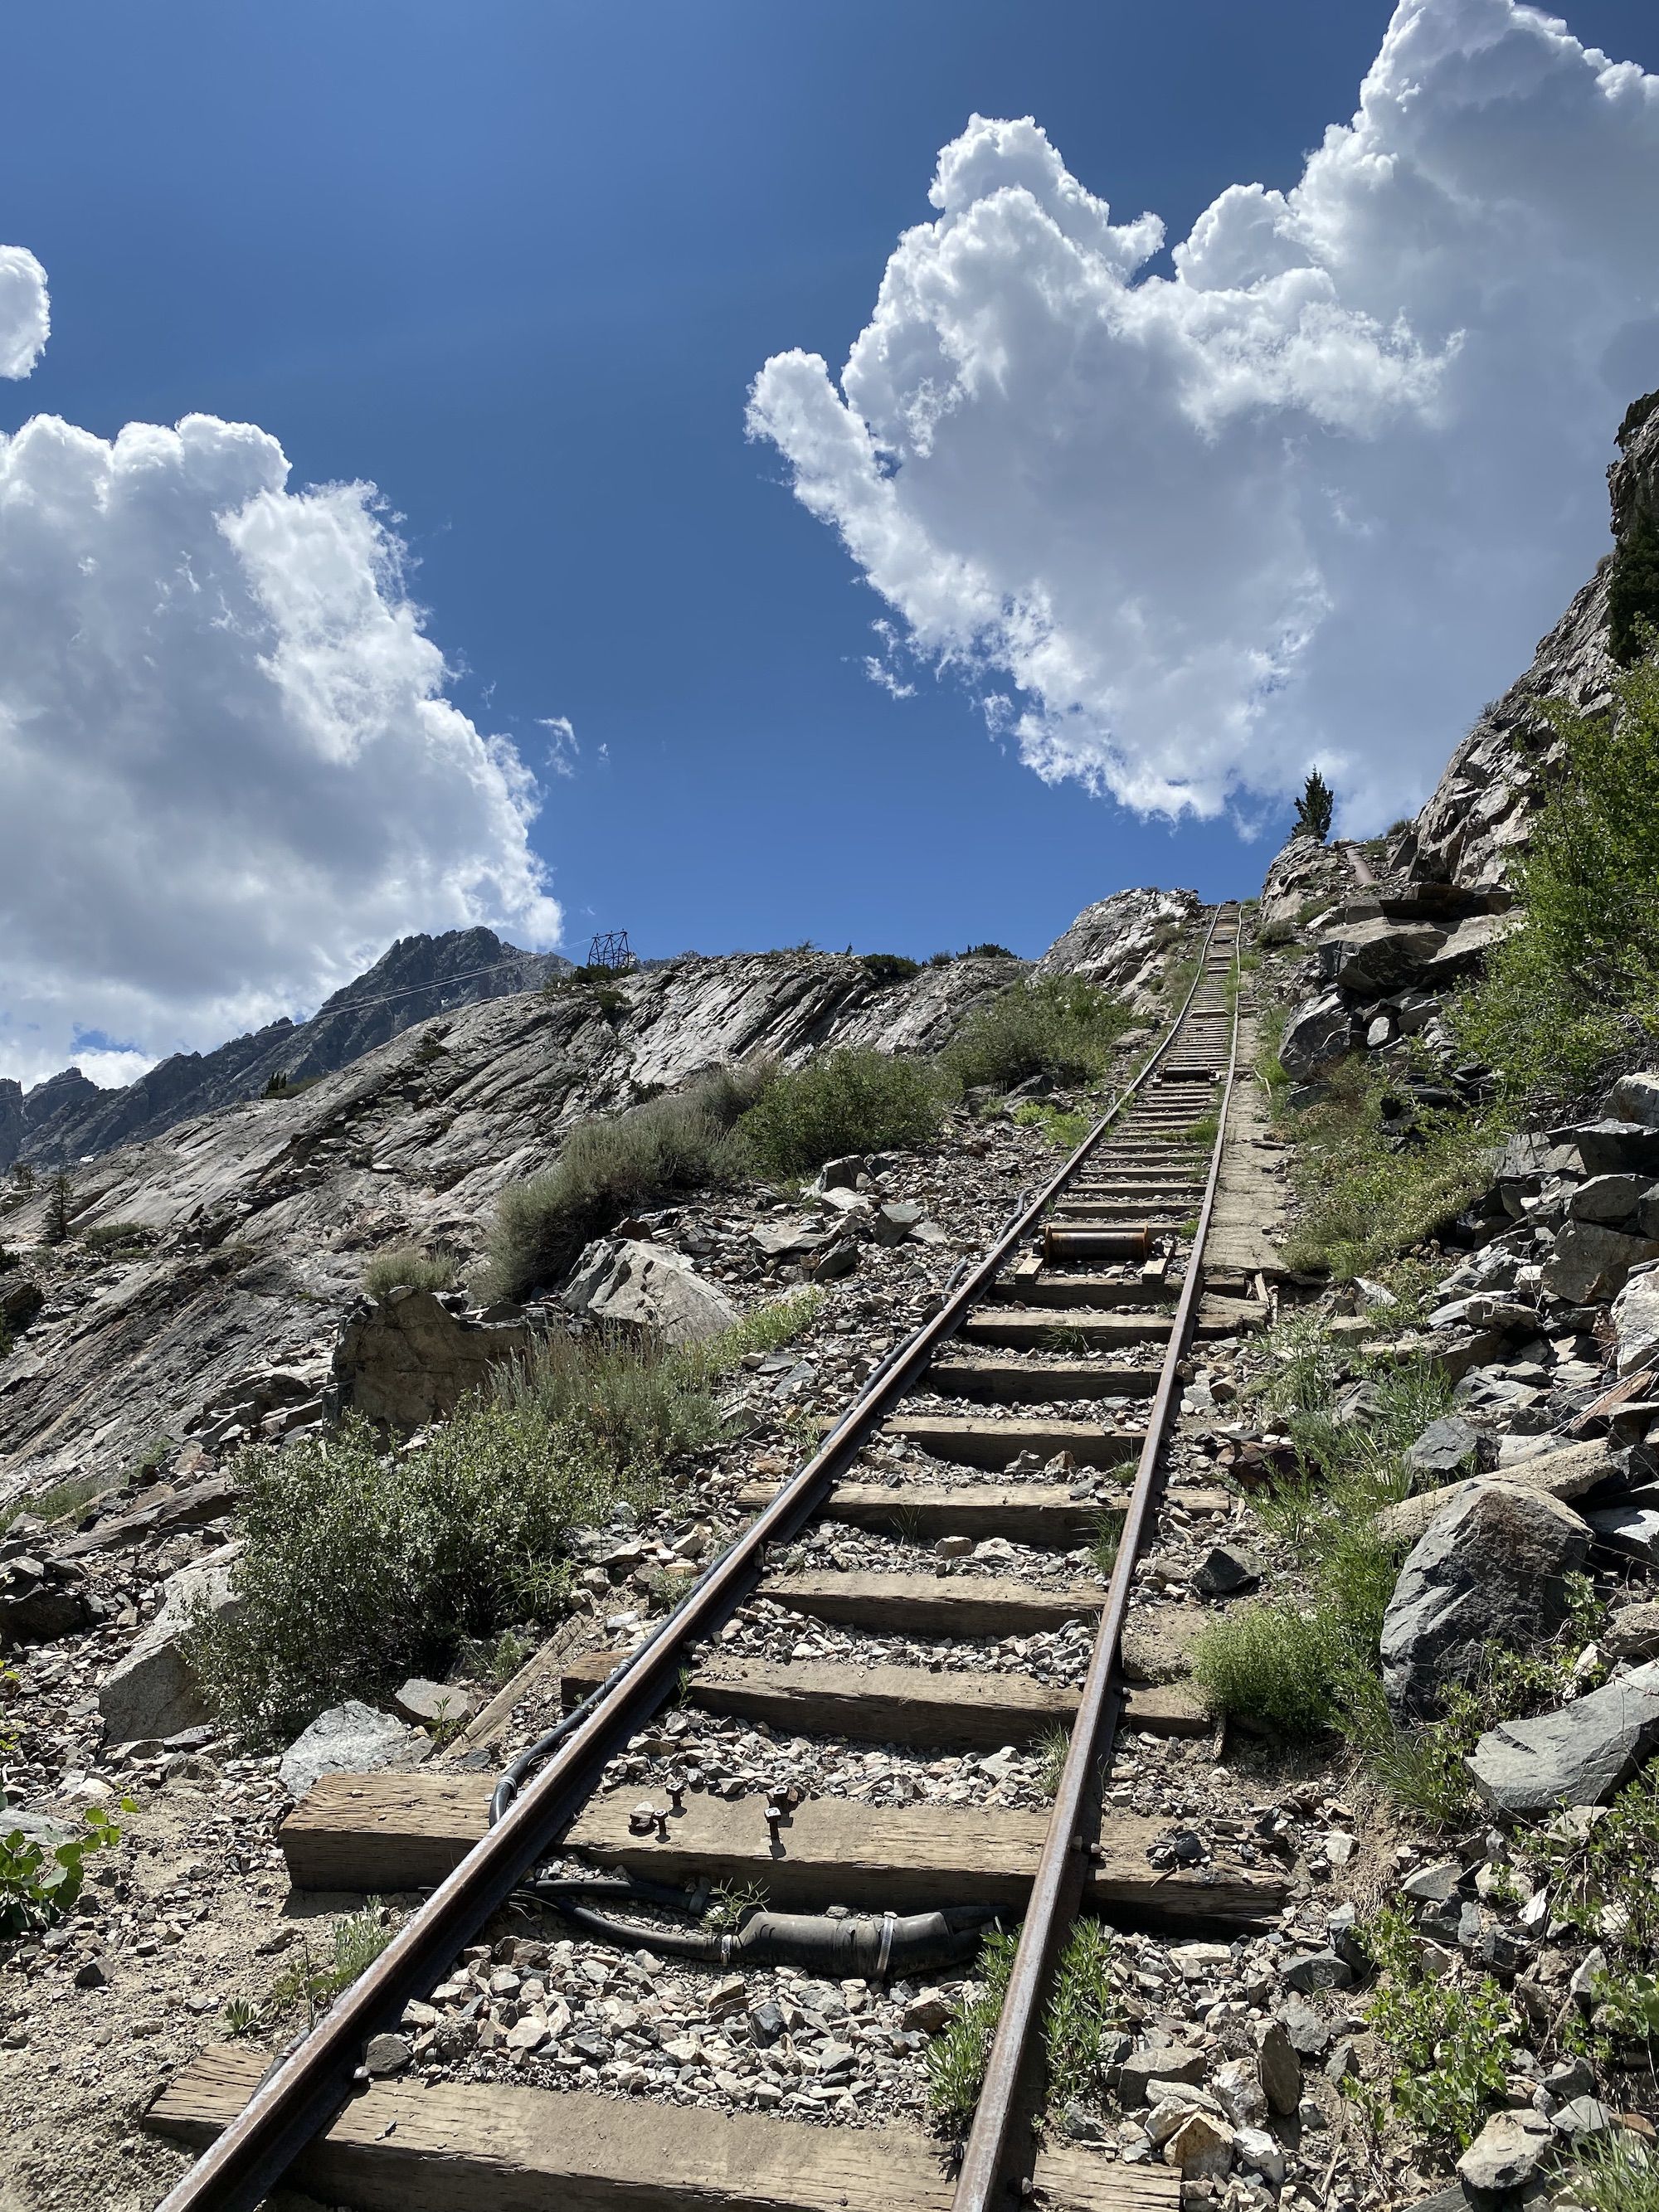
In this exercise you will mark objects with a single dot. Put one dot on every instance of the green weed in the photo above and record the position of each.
(40, 1882)
(610, 1168)
(1060, 1026)
(1082, 2013)
(850, 1101)
(355, 1943)
(956, 2057)
(408, 1269)
(1447, 2041)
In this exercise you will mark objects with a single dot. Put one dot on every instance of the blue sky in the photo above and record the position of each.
(519, 263)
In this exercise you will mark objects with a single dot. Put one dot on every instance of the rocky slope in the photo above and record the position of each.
(67, 1119)
(249, 1226)
(1478, 815)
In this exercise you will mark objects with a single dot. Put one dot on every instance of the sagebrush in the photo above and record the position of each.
(853, 1100)
(1060, 1026)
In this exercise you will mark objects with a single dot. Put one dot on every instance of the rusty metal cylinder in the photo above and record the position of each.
(1063, 1240)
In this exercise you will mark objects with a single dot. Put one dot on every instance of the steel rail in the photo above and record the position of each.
(1057, 1887)
(308, 2087)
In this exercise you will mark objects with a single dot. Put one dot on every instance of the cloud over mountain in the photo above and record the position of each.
(1312, 494)
(229, 775)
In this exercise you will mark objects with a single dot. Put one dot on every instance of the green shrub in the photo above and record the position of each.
(408, 1269)
(38, 1883)
(1573, 995)
(608, 1167)
(1447, 2041)
(988, 952)
(623, 1408)
(1064, 1130)
(1633, 590)
(114, 1235)
(361, 1566)
(854, 1100)
(1060, 1026)
(1083, 2013)
(1363, 1201)
(886, 967)
(355, 1943)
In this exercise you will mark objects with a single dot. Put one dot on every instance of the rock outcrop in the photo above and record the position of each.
(67, 1119)
(245, 1231)
(1477, 818)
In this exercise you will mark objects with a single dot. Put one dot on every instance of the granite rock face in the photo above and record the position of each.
(253, 1224)
(406, 1359)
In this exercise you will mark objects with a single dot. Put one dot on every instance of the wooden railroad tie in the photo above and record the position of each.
(375, 1832)
(487, 2146)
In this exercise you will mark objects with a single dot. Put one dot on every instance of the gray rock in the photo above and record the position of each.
(409, 1359)
(1319, 1970)
(1446, 1447)
(1615, 1147)
(1631, 1528)
(1591, 1262)
(1581, 2116)
(1490, 1568)
(1579, 1755)
(1508, 2151)
(154, 1691)
(1636, 1322)
(1608, 1198)
(651, 1289)
(420, 1703)
(1278, 2067)
(1573, 1471)
(385, 2055)
(1320, 1031)
(42, 1829)
(1173, 2062)
(896, 1220)
(1433, 1884)
(1307, 2032)
(349, 1739)
(1226, 1568)
(1369, 957)
(1633, 1633)
(1636, 1098)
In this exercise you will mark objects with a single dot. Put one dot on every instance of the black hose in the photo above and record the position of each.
(868, 1946)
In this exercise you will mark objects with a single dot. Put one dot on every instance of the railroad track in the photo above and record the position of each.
(1039, 1398)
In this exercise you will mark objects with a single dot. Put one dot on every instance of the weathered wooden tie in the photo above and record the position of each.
(478, 2147)
(375, 1832)
(989, 1443)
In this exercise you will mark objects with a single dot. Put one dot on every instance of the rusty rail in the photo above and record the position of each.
(309, 2085)
(1058, 1885)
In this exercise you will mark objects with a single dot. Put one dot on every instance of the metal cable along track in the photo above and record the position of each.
(1128, 1219)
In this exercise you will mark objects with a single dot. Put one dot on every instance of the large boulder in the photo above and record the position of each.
(1369, 957)
(1573, 1471)
(1321, 1030)
(1579, 1755)
(1592, 1261)
(1635, 1320)
(627, 1283)
(1636, 1098)
(1490, 1569)
(406, 1359)
(154, 1691)
(349, 1739)
(1614, 1147)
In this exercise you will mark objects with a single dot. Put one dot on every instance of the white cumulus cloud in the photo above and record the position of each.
(229, 775)
(1312, 497)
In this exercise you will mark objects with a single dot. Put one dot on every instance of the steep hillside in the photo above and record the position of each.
(251, 1225)
(68, 1118)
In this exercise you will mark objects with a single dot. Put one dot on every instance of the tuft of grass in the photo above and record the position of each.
(1366, 1194)
(854, 1100)
(1066, 1131)
(956, 2057)
(71, 1496)
(1615, 2173)
(610, 1168)
(1051, 1749)
(355, 1943)
(1108, 1539)
(1060, 1026)
(1082, 2013)
(408, 1269)
(763, 1328)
